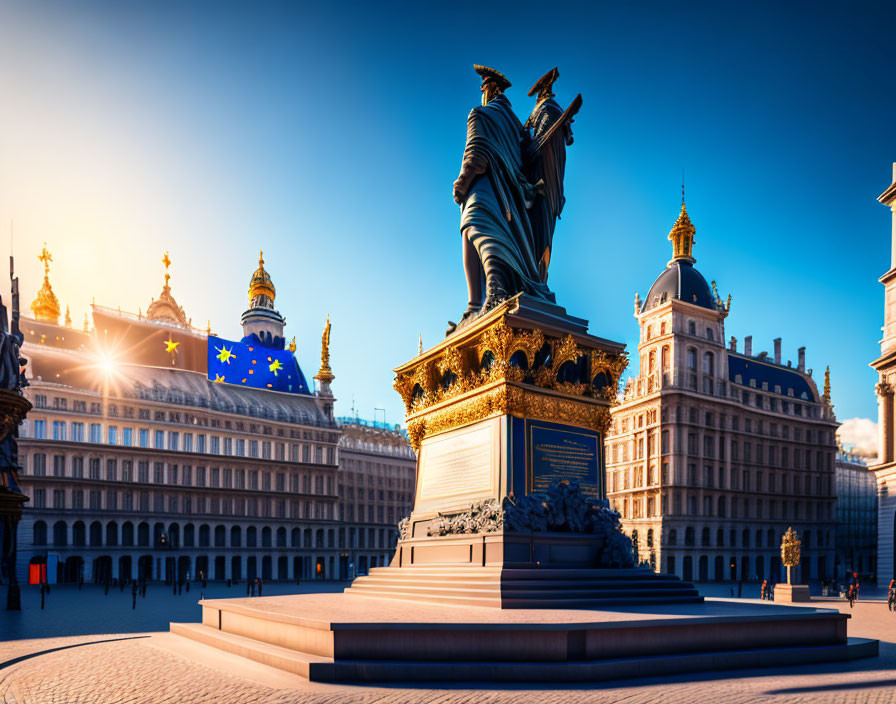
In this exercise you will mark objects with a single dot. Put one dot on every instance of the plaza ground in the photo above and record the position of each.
(112, 654)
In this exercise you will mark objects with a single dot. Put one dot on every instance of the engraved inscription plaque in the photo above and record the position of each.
(564, 454)
(457, 464)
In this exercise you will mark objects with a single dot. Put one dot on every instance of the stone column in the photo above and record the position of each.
(885, 394)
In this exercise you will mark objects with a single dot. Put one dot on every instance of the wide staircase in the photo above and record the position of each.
(507, 588)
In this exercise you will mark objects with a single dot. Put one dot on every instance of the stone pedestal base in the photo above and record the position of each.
(792, 593)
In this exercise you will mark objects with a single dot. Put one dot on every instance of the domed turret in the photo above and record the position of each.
(680, 279)
(46, 306)
(261, 321)
(261, 288)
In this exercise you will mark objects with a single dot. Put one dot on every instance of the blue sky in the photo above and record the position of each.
(330, 134)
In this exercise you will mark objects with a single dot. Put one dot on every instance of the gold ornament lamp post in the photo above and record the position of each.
(790, 557)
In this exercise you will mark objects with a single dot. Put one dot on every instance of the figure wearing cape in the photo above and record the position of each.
(546, 165)
(493, 193)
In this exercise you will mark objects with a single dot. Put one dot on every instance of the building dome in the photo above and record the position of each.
(261, 284)
(682, 281)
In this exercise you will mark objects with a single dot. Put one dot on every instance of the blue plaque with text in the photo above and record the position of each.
(556, 454)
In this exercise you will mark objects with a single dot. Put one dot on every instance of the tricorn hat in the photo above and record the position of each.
(545, 82)
(490, 75)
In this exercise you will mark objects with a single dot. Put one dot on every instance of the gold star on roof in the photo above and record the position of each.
(170, 345)
(224, 354)
(219, 378)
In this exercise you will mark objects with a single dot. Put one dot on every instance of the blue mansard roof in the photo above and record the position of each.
(773, 374)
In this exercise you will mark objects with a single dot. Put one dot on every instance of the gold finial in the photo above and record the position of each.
(208, 328)
(827, 384)
(86, 323)
(46, 306)
(292, 345)
(325, 374)
(68, 317)
(261, 285)
(420, 344)
(682, 234)
(167, 262)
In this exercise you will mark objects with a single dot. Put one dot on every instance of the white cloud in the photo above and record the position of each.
(861, 433)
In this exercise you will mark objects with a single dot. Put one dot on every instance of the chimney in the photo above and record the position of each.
(733, 344)
(777, 350)
(801, 359)
(748, 345)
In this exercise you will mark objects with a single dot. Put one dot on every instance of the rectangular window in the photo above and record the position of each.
(318, 455)
(111, 500)
(58, 465)
(78, 467)
(77, 432)
(188, 442)
(215, 477)
(143, 472)
(159, 473)
(113, 435)
(111, 470)
(200, 476)
(144, 437)
(253, 448)
(173, 440)
(187, 476)
(40, 465)
(266, 450)
(58, 498)
(240, 447)
(58, 430)
(200, 444)
(215, 445)
(172, 474)
(40, 429)
(127, 471)
(127, 437)
(228, 446)
(160, 440)
(40, 498)
(306, 453)
(96, 433)
(253, 480)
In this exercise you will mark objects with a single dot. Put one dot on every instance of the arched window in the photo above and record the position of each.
(673, 537)
(692, 359)
(40, 533)
(662, 328)
(708, 362)
(692, 327)
(650, 537)
(689, 535)
(705, 537)
(720, 537)
(745, 538)
(251, 537)
(651, 365)
(236, 537)
(758, 538)
(722, 509)
(709, 335)
(60, 533)
(664, 358)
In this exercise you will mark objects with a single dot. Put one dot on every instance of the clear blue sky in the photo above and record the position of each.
(330, 135)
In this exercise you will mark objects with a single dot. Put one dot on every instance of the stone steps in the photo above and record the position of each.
(327, 669)
(524, 588)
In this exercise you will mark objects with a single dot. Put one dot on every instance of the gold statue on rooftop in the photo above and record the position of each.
(325, 374)
(46, 306)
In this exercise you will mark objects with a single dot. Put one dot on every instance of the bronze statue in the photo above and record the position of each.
(505, 243)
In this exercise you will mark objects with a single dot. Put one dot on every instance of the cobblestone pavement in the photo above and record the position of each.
(129, 668)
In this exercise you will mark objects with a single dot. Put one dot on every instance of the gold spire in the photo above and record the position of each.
(68, 317)
(166, 308)
(682, 235)
(261, 283)
(46, 306)
(325, 374)
(292, 345)
(86, 323)
(420, 344)
(827, 384)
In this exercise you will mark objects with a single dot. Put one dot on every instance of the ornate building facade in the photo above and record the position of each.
(714, 453)
(856, 518)
(377, 475)
(159, 450)
(885, 365)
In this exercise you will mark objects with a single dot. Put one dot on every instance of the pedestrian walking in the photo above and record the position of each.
(763, 590)
(248, 587)
(258, 581)
(43, 591)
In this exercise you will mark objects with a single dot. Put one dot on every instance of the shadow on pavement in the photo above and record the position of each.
(28, 656)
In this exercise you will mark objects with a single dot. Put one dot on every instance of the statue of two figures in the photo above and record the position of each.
(12, 410)
(12, 378)
(510, 190)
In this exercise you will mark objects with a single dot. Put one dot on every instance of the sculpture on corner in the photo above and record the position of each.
(13, 407)
(510, 190)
